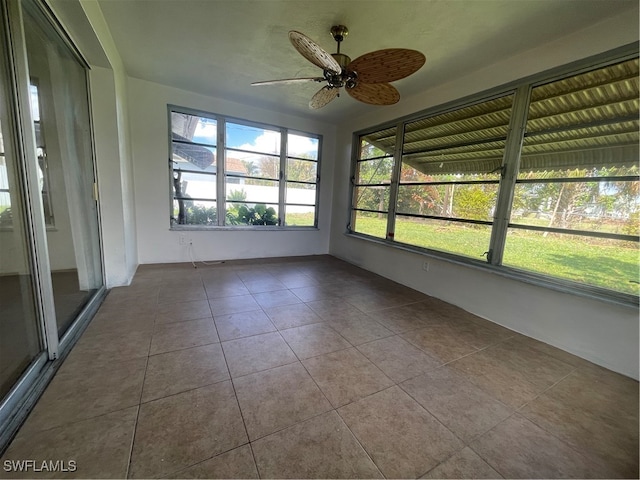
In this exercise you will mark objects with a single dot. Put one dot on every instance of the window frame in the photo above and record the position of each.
(510, 167)
(221, 175)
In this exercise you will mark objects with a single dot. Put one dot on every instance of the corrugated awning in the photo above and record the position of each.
(585, 121)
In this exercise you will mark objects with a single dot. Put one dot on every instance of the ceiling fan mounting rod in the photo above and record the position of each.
(338, 32)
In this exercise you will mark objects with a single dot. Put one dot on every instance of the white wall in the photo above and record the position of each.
(602, 332)
(150, 143)
(109, 98)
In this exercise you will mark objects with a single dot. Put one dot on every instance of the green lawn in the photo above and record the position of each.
(600, 262)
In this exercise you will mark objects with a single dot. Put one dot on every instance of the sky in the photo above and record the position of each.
(256, 139)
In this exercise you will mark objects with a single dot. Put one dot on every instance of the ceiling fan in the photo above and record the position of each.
(366, 78)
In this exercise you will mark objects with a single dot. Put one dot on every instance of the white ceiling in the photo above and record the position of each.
(218, 47)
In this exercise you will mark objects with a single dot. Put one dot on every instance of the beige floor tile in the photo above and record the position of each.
(99, 448)
(313, 293)
(371, 302)
(322, 447)
(235, 304)
(595, 415)
(257, 353)
(406, 318)
(264, 285)
(403, 439)
(359, 328)
(459, 404)
(220, 290)
(277, 398)
(519, 449)
(295, 280)
(289, 316)
(511, 372)
(346, 376)
(333, 307)
(181, 430)
(174, 372)
(182, 291)
(312, 340)
(80, 391)
(464, 464)
(276, 298)
(245, 324)
(180, 335)
(237, 463)
(440, 342)
(397, 358)
(118, 322)
(123, 345)
(181, 311)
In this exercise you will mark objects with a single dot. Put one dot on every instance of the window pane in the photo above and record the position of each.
(253, 139)
(374, 224)
(611, 264)
(378, 144)
(458, 238)
(194, 157)
(252, 165)
(372, 198)
(304, 194)
(241, 213)
(300, 215)
(193, 128)
(471, 202)
(302, 146)
(301, 170)
(262, 191)
(593, 206)
(193, 185)
(374, 171)
(195, 212)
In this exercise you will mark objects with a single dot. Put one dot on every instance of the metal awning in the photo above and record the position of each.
(586, 121)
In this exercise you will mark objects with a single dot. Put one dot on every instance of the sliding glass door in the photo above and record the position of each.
(59, 102)
(51, 278)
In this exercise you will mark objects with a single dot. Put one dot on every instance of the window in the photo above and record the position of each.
(557, 201)
(230, 172)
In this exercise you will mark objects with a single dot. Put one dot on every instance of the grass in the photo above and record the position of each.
(599, 262)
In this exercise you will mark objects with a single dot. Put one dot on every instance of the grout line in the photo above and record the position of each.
(135, 425)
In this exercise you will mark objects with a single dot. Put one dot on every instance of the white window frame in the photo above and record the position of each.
(221, 174)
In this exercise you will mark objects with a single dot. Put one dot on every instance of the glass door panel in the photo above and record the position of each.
(60, 110)
(20, 333)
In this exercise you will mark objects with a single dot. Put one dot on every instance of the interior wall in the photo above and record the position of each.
(599, 331)
(150, 148)
(112, 143)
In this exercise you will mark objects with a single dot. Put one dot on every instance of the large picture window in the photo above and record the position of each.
(558, 199)
(228, 172)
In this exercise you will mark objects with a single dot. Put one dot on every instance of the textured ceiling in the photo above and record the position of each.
(218, 47)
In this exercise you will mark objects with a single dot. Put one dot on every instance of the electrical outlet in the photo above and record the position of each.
(182, 239)
(425, 266)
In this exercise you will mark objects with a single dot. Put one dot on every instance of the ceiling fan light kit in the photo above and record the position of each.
(366, 78)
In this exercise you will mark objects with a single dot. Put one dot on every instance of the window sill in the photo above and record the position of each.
(559, 285)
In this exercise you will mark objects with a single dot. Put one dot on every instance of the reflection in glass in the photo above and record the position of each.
(62, 102)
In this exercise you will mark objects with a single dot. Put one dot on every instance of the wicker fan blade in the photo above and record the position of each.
(375, 93)
(290, 80)
(323, 96)
(389, 65)
(313, 52)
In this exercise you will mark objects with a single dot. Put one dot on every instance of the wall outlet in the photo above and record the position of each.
(425, 266)
(182, 239)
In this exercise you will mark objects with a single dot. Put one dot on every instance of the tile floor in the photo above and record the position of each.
(313, 368)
